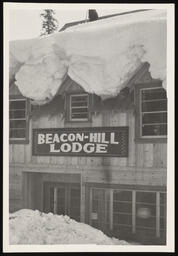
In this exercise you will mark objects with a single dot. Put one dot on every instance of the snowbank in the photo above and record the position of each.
(34, 227)
(101, 56)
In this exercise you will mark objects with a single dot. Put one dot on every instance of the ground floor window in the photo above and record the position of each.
(129, 213)
(122, 211)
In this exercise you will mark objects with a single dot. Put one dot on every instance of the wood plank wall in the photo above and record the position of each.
(152, 155)
(143, 158)
(146, 161)
(15, 191)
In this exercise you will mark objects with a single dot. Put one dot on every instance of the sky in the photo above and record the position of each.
(26, 23)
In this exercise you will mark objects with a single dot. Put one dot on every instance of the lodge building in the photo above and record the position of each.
(101, 162)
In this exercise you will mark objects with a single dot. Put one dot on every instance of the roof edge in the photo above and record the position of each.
(74, 23)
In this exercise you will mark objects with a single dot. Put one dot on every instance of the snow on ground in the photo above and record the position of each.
(33, 227)
(100, 56)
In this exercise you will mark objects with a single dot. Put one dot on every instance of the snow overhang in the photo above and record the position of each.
(100, 56)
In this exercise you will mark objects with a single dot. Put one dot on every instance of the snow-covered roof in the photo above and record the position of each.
(100, 56)
(74, 23)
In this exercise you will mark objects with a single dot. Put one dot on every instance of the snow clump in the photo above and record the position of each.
(34, 227)
(100, 56)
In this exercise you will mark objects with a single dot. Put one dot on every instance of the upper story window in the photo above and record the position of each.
(79, 107)
(151, 114)
(18, 120)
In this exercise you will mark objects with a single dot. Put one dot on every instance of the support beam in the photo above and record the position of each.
(157, 214)
(82, 200)
(111, 209)
(90, 206)
(55, 200)
(133, 211)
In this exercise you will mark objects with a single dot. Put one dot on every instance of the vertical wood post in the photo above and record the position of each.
(133, 211)
(111, 210)
(55, 200)
(82, 200)
(157, 214)
(25, 187)
(90, 205)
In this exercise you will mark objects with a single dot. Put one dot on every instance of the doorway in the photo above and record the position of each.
(62, 199)
(100, 209)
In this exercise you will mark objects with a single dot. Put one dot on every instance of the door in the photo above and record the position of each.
(100, 209)
(62, 199)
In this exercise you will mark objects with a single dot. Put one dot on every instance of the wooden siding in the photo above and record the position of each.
(117, 111)
(140, 154)
(144, 166)
(15, 189)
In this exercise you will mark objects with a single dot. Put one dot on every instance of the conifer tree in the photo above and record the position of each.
(49, 22)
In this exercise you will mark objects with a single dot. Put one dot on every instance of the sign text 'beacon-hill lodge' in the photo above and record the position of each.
(90, 141)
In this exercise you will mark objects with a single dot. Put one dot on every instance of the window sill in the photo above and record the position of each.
(18, 141)
(151, 140)
(78, 121)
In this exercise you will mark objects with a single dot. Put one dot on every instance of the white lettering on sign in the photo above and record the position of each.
(56, 138)
(113, 138)
(89, 148)
(80, 142)
(93, 137)
(53, 150)
(76, 147)
(99, 137)
(71, 137)
(66, 147)
(49, 138)
(79, 137)
(41, 138)
(62, 137)
(101, 148)
(103, 135)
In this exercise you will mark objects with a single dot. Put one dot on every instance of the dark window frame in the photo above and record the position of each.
(68, 108)
(156, 229)
(24, 140)
(137, 92)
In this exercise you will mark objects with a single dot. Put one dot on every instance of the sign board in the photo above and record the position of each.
(87, 141)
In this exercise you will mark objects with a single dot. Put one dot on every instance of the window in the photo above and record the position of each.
(153, 112)
(146, 213)
(79, 107)
(129, 213)
(151, 117)
(18, 120)
(122, 212)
